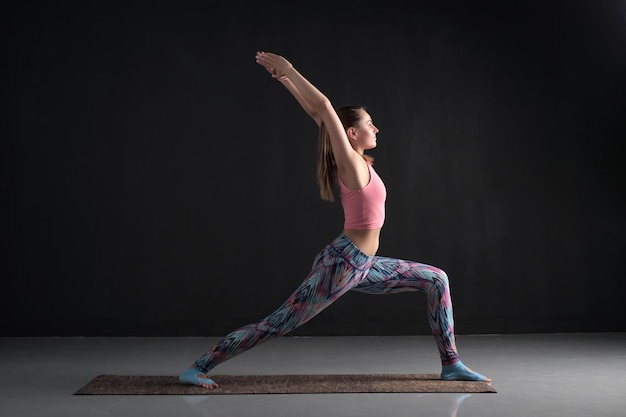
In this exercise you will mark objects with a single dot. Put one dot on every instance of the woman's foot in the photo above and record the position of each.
(192, 376)
(459, 372)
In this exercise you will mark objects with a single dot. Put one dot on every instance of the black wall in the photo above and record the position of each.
(156, 180)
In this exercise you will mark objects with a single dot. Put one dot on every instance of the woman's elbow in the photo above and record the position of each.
(324, 107)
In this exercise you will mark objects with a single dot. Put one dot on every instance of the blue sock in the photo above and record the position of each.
(459, 372)
(190, 376)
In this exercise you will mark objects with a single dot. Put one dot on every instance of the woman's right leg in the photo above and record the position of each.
(336, 269)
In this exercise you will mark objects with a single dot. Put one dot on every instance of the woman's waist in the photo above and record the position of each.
(366, 240)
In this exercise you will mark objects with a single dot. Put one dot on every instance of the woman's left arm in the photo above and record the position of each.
(306, 106)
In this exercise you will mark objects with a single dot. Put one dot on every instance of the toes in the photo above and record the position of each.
(193, 376)
(207, 383)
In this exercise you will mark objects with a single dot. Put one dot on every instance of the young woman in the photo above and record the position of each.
(349, 262)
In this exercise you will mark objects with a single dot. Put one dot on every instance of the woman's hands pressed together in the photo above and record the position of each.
(276, 65)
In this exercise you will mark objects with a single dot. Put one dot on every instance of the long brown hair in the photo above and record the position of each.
(350, 116)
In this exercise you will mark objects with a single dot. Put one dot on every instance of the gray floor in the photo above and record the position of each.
(544, 375)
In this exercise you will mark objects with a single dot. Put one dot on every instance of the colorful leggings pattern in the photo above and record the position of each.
(338, 268)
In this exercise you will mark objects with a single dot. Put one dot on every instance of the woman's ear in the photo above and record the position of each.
(351, 132)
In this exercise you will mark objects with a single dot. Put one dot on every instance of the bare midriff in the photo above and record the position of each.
(365, 240)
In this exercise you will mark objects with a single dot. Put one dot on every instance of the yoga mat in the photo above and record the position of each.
(280, 384)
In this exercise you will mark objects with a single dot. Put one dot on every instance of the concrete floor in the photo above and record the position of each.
(544, 375)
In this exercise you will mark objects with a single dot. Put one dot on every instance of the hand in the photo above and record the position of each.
(276, 65)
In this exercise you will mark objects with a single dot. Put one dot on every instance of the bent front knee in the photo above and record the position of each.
(440, 277)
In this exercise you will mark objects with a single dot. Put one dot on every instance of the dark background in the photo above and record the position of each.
(157, 182)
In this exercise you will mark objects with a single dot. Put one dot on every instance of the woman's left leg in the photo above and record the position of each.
(392, 276)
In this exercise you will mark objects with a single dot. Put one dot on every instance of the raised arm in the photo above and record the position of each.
(303, 103)
(319, 107)
(306, 106)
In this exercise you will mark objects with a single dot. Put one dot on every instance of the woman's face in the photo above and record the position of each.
(366, 131)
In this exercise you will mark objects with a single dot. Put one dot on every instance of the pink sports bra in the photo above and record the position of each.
(364, 209)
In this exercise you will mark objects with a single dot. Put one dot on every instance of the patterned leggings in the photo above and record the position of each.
(338, 268)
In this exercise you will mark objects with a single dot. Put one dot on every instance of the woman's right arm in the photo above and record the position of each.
(319, 107)
(306, 106)
(286, 82)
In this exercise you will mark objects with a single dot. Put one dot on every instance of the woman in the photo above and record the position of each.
(349, 262)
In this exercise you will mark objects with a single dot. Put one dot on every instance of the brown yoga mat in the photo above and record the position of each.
(280, 384)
